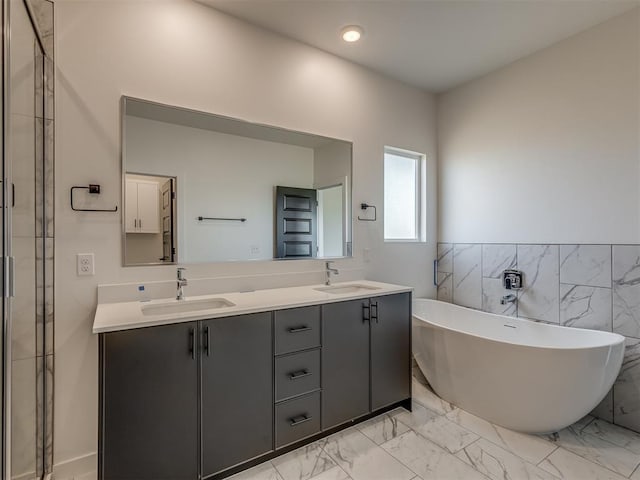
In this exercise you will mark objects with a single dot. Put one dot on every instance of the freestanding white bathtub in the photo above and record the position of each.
(526, 376)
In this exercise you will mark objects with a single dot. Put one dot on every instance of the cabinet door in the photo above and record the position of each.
(237, 390)
(345, 362)
(131, 206)
(150, 404)
(390, 349)
(148, 208)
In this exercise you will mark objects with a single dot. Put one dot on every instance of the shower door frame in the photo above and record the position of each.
(8, 275)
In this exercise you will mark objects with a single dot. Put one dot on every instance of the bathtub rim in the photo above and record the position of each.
(619, 339)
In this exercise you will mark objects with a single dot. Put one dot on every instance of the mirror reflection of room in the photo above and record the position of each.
(149, 219)
(228, 176)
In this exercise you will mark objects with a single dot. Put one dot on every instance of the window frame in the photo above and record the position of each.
(420, 194)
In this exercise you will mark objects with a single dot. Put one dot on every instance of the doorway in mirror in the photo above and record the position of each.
(150, 219)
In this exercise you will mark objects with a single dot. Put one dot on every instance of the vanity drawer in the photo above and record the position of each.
(297, 329)
(297, 419)
(297, 374)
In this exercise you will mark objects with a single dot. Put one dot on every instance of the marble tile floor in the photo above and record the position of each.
(441, 442)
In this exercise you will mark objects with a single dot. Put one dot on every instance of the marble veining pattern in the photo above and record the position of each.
(625, 390)
(595, 447)
(539, 299)
(467, 278)
(626, 290)
(428, 460)
(304, 463)
(492, 292)
(498, 464)
(447, 434)
(585, 307)
(362, 459)
(588, 265)
(445, 286)
(604, 410)
(446, 443)
(496, 258)
(529, 447)
(385, 427)
(569, 466)
(445, 258)
(582, 286)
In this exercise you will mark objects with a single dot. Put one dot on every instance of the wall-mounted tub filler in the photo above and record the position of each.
(512, 279)
(510, 298)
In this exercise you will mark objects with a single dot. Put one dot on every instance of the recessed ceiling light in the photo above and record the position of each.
(352, 33)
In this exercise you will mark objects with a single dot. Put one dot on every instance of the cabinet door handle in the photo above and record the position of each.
(299, 329)
(299, 419)
(135, 223)
(299, 374)
(140, 223)
(374, 316)
(192, 343)
(206, 340)
(366, 313)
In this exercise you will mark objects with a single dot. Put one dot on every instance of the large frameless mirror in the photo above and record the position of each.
(202, 188)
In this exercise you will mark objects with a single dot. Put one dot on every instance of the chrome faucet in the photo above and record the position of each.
(328, 271)
(511, 298)
(182, 282)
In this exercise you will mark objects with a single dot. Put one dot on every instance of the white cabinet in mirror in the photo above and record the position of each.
(201, 188)
(149, 219)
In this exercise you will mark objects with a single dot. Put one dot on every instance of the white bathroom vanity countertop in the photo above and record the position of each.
(111, 317)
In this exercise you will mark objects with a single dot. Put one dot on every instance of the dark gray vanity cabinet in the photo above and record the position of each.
(297, 374)
(149, 403)
(390, 349)
(237, 390)
(198, 400)
(345, 361)
(366, 359)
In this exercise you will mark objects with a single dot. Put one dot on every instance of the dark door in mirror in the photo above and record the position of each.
(296, 222)
(168, 215)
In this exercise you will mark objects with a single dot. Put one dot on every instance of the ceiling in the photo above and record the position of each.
(434, 45)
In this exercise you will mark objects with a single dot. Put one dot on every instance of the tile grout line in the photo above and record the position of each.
(324, 444)
(548, 455)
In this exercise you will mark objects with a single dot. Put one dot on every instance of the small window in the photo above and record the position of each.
(403, 195)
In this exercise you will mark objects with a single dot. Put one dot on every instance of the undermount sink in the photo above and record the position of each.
(342, 289)
(185, 306)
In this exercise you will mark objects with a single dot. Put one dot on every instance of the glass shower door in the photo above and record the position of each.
(24, 180)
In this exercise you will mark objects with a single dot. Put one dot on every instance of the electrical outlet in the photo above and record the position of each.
(255, 250)
(85, 264)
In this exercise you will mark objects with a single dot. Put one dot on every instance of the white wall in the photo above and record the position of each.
(546, 149)
(182, 53)
(219, 175)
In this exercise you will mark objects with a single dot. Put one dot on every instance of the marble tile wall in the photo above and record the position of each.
(581, 286)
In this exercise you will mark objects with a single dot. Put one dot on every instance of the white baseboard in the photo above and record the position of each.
(76, 468)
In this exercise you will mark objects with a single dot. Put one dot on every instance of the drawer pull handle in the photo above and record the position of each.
(299, 374)
(299, 419)
(192, 343)
(366, 313)
(206, 340)
(299, 329)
